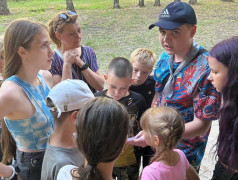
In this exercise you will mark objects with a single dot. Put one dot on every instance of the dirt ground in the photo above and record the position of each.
(208, 162)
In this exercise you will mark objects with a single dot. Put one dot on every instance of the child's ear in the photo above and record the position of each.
(131, 82)
(22, 52)
(193, 31)
(156, 140)
(73, 116)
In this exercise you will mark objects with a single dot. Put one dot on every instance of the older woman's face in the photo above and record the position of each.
(71, 36)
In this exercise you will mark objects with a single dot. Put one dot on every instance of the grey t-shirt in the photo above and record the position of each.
(57, 157)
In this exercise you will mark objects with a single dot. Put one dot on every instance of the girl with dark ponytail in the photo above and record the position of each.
(102, 127)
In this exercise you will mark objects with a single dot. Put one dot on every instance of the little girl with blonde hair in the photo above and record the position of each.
(163, 127)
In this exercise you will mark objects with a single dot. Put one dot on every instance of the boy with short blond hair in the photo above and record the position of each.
(144, 56)
(119, 79)
(143, 60)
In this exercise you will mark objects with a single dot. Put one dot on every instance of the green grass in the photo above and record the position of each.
(117, 32)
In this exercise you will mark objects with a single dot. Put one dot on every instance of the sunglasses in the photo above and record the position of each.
(65, 16)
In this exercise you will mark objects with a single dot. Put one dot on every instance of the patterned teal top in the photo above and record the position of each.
(32, 133)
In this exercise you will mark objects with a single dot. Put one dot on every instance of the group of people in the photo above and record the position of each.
(58, 121)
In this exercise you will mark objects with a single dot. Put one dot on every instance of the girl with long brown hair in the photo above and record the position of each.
(22, 97)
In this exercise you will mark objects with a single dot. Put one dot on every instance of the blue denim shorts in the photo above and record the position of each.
(28, 164)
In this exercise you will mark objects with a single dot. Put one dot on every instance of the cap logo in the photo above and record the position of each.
(165, 13)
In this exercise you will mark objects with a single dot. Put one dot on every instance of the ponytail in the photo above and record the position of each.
(89, 172)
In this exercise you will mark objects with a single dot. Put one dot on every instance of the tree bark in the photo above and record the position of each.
(192, 2)
(116, 4)
(141, 3)
(70, 5)
(157, 3)
(4, 8)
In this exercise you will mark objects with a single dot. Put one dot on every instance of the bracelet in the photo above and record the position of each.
(85, 66)
(13, 173)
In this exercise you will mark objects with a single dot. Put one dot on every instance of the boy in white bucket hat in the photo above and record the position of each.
(64, 100)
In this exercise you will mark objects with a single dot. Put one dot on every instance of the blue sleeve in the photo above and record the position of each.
(161, 72)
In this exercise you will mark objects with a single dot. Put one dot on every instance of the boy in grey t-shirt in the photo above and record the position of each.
(64, 100)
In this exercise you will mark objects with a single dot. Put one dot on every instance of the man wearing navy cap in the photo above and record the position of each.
(181, 78)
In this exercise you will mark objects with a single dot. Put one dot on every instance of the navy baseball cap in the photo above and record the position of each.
(175, 15)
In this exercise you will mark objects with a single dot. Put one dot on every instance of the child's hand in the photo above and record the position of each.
(138, 140)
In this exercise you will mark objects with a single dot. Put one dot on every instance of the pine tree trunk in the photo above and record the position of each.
(141, 3)
(116, 4)
(157, 3)
(3, 7)
(70, 5)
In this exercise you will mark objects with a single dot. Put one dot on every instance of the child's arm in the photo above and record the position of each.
(191, 173)
(154, 101)
(6, 171)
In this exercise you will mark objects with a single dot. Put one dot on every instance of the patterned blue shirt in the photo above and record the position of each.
(193, 95)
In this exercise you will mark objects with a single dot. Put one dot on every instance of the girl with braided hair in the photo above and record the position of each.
(163, 127)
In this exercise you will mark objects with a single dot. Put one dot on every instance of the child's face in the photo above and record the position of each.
(40, 54)
(218, 74)
(117, 88)
(140, 73)
(177, 41)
